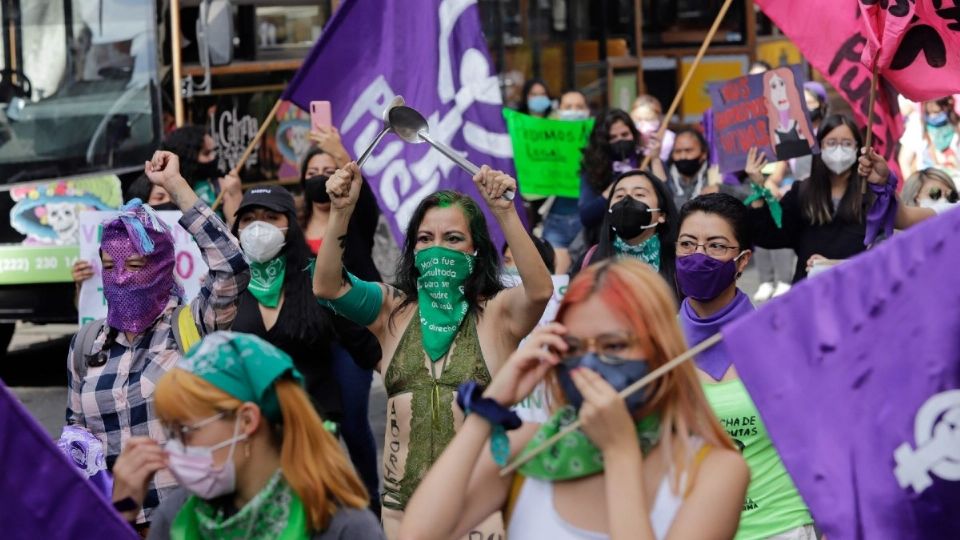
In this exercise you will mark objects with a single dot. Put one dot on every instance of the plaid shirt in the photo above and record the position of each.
(115, 401)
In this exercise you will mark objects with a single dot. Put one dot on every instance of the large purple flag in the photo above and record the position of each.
(431, 52)
(856, 374)
(42, 493)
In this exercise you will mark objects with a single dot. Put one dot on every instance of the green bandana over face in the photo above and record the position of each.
(440, 294)
(274, 513)
(266, 280)
(574, 456)
(647, 251)
(942, 136)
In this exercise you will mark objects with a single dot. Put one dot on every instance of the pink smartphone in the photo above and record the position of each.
(320, 115)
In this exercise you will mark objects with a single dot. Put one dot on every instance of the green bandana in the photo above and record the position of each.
(440, 295)
(776, 211)
(647, 251)
(574, 456)
(243, 366)
(942, 136)
(266, 280)
(276, 512)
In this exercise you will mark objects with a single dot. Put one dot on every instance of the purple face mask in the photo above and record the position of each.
(135, 298)
(703, 278)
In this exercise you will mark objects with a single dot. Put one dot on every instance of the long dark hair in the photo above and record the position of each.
(186, 142)
(483, 284)
(527, 86)
(816, 201)
(307, 203)
(311, 323)
(596, 156)
(667, 231)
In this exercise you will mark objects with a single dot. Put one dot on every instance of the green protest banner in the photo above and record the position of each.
(36, 264)
(547, 153)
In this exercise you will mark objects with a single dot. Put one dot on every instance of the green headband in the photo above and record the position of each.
(244, 366)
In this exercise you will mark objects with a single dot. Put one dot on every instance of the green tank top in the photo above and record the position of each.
(431, 409)
(773, 504)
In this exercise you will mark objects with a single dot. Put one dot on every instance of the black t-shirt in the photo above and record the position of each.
(839, 239)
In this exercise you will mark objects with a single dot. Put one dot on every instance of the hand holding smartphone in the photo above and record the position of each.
(320, 115)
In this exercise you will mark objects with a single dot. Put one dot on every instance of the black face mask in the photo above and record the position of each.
(816, 114)
(622, 150)
(315, 188)
(164, 206)
(630, 218)
(206, 171)
(688, 167)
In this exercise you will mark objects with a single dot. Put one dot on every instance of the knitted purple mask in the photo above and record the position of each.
(135, 298)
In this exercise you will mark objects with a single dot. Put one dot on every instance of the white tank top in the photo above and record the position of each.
(535, 517)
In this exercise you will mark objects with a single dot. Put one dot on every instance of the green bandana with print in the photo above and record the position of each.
(647, 251)
(441, 297)
(276, 512)
(575, 456)
(266, 280)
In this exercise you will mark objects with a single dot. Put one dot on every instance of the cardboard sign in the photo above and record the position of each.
(189, 268)
(766, 111)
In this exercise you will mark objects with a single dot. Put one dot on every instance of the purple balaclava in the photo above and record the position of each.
(136, 298)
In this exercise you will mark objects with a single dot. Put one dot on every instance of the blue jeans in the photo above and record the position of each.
(562, 223)
(354, 384)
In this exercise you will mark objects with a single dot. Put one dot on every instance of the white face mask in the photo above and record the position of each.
(573, 114)
(262, 241)
(939, 206)
(838, 159)
(193, 467)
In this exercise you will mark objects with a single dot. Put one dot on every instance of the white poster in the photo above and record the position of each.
(189, 269)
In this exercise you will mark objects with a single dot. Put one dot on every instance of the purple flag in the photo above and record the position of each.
(432, 53)
(856, 374)
(42, 493)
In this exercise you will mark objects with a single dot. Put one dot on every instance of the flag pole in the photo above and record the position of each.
(873, 102)
(249, 150)
(686, 80)
(628, 391)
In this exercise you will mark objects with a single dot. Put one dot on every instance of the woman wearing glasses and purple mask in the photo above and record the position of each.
(713, 249)
(832, 214)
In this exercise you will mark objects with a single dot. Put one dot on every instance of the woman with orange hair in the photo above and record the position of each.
(660, 450)
(249, 451)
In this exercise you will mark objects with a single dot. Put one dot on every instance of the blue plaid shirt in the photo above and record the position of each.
(115, 401)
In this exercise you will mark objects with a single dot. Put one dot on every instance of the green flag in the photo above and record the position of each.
(547, 153)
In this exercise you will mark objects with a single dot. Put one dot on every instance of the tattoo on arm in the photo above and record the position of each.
(342, 241)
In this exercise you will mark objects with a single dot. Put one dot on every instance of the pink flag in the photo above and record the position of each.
(916, 44)
(830, 35)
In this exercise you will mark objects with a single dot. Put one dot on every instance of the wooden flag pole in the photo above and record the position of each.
(873, 100)
(249, 150)
(633, 388)
(686, 80)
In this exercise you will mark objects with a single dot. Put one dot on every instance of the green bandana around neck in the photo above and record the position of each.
(441, 297)
(266, 280)
(575, 456)
(647, 251)
(244, 366)
(942, 136)
(276, 512)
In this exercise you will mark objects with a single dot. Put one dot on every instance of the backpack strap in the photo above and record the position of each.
(516, 485)
(185, 330)
(588, 256)
(83, 345)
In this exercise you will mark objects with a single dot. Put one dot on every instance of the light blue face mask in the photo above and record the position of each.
(510, 271)
(538, 104)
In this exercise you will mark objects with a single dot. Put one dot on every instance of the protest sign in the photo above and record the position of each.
(766, 111)
(46, 215)
(189, 268)
(547, 153)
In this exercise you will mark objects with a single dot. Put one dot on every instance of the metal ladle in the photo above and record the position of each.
(397, 101)
(411, 126)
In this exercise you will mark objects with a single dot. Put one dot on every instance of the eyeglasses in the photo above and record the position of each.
(180, 432)
(608, 347)
(713, 249)
(843, 143)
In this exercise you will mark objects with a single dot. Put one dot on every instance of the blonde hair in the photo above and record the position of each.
(649, 102)
(913, 185)
(637, 294)
(312, 461)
